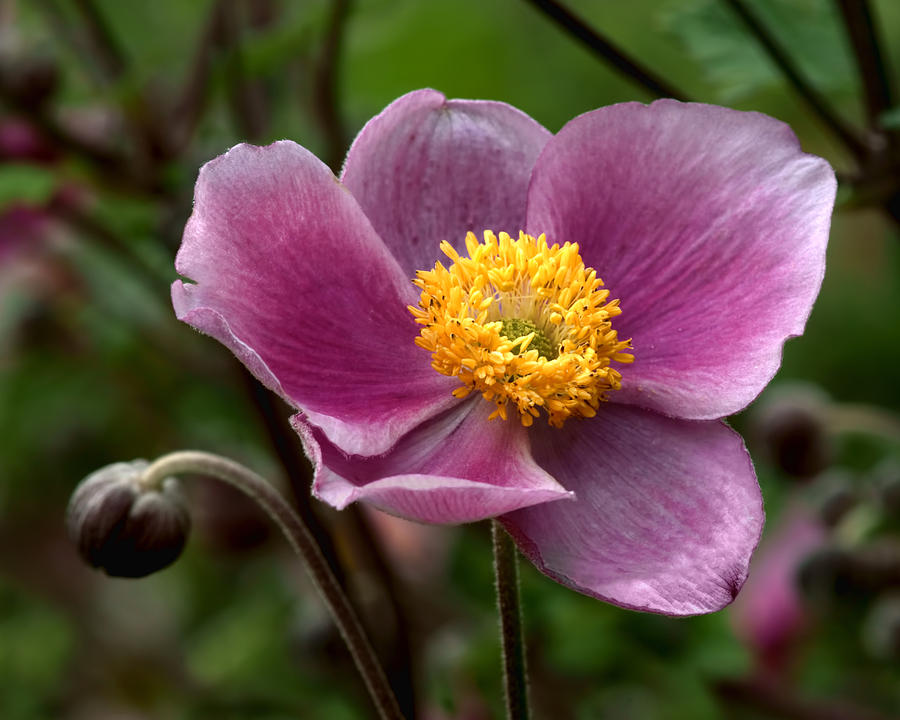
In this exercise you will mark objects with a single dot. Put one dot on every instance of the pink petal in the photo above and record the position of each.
(666, 516)
(429, 169)
(708, 224)
(458, 467)
(293, 279)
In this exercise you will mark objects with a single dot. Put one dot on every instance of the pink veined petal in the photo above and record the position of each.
(667, 512)
(459, 467)
(428, 169)
(290, 276)
(710, 226)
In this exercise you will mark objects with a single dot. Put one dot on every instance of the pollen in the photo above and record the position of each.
(523, 323)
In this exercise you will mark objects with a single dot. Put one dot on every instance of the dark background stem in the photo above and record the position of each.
(873, 75)
(600, 46)
(817, 102)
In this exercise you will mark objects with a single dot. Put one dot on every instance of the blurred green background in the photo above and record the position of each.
(109, 109)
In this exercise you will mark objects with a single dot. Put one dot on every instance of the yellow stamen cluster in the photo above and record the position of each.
(523, 323)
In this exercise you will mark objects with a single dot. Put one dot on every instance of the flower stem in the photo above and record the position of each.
(297, 534)
(515, 674)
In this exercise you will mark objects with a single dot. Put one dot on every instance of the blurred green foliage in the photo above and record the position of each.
(94, 369)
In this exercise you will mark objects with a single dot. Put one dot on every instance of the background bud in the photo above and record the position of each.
(790, 427)
(124, 528)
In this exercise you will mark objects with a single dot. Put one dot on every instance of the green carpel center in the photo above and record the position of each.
(514, 328)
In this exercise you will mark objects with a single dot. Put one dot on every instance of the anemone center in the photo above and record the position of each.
(523, 323)
(515, 328)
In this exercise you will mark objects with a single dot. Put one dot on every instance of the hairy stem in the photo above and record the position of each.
(300, 539)
(515, 673)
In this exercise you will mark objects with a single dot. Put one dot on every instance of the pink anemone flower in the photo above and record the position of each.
(500, 385)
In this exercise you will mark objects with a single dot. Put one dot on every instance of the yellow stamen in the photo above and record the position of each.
(523, 323)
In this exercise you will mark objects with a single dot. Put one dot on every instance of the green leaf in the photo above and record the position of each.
(22, 183)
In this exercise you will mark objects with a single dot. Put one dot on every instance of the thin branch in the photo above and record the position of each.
(327, 104)
(70, 36)
(605, 50)
(143, 123)
(816, 101)
(873, 73)
(113, 167)
(108, 239)
(188, 109)
(101, 156)
(515, 672)
(107, 51)
(243, 94)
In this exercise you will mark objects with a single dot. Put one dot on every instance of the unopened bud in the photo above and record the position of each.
(790, 427)
(124, 527)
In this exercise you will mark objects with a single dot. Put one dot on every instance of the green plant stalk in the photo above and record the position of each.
(515, 672)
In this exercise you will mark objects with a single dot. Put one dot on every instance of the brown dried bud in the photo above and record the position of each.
(124, 528)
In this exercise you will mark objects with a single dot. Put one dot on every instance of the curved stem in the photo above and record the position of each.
(515, 673)
(297, 534)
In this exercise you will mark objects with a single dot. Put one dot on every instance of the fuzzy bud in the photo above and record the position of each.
(125, 528)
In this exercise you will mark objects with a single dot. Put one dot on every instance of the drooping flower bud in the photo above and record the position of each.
(125, 527)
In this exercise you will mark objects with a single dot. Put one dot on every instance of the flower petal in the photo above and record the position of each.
(293, 279)
(708, 224)
(429, 169)
(666, 516)
(458, 467)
